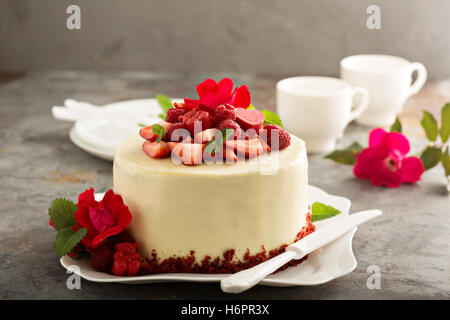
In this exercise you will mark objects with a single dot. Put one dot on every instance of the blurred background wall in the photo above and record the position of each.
(262, 36)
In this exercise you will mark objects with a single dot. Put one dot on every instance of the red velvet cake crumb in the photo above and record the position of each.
(224, 264)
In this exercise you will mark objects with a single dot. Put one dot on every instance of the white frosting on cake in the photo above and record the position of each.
(212, 208)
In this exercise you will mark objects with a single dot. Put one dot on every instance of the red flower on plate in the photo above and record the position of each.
(102, 219)
(212, 94)
(384, 162)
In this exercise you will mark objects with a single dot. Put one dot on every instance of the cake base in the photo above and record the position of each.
(225, 264)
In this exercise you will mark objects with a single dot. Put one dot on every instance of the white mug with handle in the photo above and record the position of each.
(318, 109)
(388, 80)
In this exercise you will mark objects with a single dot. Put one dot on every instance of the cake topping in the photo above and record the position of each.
(192, 126)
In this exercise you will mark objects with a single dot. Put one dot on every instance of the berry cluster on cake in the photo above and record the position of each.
(221, 126)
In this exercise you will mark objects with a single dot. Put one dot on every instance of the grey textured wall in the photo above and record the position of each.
(264, 36)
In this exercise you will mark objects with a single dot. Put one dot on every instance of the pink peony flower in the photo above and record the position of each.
(211, 94)
(384, 162)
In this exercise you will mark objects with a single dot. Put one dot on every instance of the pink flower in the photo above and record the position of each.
(384, 162)
(212, 94)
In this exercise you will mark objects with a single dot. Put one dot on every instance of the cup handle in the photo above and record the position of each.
(362, 106)
(421, 77)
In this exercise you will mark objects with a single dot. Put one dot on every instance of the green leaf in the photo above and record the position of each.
(62, 213)
(396, 126)
(322, 211)
(445, 126)
(159, 131)
(271, 118)
(250, 107)
(445, 160)
(215, 146)
(429, 124)
(67, 239)
(347, 155)
(165, 104)
(141, 125)
(430, 157)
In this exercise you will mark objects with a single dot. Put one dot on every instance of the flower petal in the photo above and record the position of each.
(191, 103)
(363, 167)
(399, 143)
(207, 86)
(99, 238)
(212, 100)
(240, 97)
(226, 85)
(376, 137)
(412, 169)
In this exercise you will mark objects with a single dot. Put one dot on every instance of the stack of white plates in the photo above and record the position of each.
(100, 129)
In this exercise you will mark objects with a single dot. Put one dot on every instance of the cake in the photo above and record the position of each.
(216, 187)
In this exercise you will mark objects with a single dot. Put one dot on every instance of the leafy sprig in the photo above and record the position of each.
(158, 130)
(165, 103)
(62, 215)
(321, 211)
(215, 146)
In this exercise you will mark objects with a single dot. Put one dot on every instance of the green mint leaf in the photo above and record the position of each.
(429, 124)
(445, 126)
(396, 126)
(347, 155)
(141, 125)
(62, 213)
(250, 107)
(227, 133)
(210, 147)
(67, 239)
(271, 118)
(430, 157)
(165, 103)
(445, 160)
(322, 211)
(159, 131)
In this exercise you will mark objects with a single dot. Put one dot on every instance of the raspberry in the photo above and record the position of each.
(181, 134)
(119, 267)
(284, 139)
(173, 114)
(101, 259)
(133, 267)
(194, 116)
(225, 112)
(127, 248)
(225, 124)
(126, 259)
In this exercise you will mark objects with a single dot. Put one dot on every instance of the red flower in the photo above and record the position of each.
(212, 94)
(384, 162)
(102, 219)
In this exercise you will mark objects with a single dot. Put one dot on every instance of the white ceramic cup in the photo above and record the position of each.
(388, 80)
(317, 109)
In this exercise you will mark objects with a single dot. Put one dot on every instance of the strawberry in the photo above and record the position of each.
(156, 149)
(249, 119)
(171, 145)
(189, 153)
(264, 145)
(206, 136)
(148, 134)
(249, 148)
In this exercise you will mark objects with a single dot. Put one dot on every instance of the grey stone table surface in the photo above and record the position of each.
(409, 243)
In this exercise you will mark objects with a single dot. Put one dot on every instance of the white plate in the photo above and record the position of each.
(101, 136)
(330, 262)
